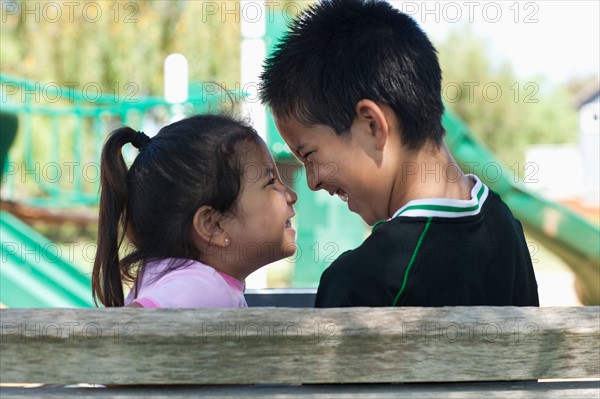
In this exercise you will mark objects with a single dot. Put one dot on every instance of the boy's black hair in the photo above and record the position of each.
(339, 52)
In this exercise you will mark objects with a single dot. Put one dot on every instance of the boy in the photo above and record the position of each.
(355, 90)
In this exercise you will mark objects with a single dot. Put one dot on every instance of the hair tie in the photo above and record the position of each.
(140, 140)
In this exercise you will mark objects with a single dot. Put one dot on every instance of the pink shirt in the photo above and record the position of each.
(195, 285)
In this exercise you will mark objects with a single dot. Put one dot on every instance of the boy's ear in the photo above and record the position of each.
(206, 225)
(370, 117)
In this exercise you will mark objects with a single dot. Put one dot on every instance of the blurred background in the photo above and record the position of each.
(521, 88)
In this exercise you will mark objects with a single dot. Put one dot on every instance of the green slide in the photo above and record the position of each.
(33, 274)
(571, 237)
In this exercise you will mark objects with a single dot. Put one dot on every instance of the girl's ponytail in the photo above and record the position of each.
(107, 274)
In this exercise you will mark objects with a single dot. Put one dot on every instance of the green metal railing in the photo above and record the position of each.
(54, 161)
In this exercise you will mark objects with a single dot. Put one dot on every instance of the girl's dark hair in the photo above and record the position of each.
(339, 52)
(188, 164)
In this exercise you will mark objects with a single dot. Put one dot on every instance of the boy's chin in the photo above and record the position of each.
(368, 219)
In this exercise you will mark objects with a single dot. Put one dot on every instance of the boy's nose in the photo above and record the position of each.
(312, 177)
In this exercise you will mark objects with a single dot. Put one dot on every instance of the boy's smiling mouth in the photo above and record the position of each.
(342, 194)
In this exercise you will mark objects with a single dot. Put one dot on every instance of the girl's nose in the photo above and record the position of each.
(291, 196)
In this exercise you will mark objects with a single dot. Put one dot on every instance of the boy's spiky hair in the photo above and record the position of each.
(341, 51)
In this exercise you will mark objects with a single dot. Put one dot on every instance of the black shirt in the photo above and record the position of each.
(437, 253)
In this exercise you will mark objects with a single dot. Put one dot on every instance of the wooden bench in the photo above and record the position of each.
(301, 353)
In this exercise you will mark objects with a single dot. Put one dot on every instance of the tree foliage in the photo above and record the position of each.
(506, 112)
(127, 42)
(112, 43)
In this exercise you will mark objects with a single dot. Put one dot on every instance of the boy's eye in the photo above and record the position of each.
(305, 155)
(271, 181)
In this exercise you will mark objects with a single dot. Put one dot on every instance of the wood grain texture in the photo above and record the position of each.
(294, 346)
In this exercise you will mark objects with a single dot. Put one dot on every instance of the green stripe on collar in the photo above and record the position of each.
(447, 207)
(444, 207)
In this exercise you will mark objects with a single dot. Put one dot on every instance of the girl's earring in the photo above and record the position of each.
(226, 241)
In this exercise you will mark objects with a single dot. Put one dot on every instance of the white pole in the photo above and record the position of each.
(253, 52)
(176, 79)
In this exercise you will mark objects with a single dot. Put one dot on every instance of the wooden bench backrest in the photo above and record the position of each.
(293, 346)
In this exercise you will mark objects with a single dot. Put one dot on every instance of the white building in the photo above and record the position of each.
(571, 172)
(589, 141)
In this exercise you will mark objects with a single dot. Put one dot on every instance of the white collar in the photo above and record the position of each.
(447, 207)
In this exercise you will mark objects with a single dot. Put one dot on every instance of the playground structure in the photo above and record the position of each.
(58, 169)
(54, 163)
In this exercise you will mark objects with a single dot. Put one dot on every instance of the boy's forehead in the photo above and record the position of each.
(296, 134)
(290, 123)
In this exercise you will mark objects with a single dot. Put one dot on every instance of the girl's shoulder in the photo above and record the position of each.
(162, 271)
(189, 284)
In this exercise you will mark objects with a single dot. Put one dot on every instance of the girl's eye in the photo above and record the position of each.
(272, 181)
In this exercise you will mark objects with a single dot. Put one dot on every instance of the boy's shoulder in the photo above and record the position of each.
(369, 275)
(388, 239)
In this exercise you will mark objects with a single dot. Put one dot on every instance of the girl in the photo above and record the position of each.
(202, 207)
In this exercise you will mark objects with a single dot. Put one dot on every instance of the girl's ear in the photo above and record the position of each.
(373, 120)
(206, 225)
